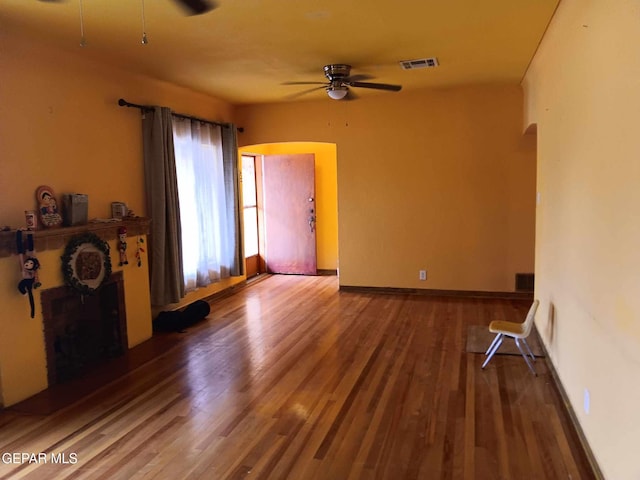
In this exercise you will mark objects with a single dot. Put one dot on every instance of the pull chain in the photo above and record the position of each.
(83, 40)
(145, 41)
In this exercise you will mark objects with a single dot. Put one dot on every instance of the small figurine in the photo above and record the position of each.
(139, 251)
(48, 207)
(30, 266)
(122, 245)
(29, 280)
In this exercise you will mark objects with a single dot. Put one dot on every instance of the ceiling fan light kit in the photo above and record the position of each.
(337, 93)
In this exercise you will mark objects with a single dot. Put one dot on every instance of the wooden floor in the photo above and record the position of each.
(292, 379)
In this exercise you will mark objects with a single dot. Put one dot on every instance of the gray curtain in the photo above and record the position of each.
(165, 250)
(231, 181)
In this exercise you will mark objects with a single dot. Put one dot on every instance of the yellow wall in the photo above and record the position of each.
(441, 180)
(60, 125)
(84, 142)
(582, 91)
(326, 193)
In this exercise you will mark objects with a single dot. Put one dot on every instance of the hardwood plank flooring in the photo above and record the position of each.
(291, 379)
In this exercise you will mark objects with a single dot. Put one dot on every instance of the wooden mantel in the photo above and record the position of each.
(56, 238)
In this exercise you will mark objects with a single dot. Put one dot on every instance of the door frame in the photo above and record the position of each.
(255, 264)
(326, 154)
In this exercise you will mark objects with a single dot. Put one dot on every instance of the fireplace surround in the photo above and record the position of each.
(23, 356)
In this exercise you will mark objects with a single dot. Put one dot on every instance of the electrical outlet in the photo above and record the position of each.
(587, 401)
(422, 274)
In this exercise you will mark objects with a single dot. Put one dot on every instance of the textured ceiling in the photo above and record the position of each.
(244, 50)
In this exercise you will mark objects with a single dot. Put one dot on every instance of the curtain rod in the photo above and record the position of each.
(123, 103)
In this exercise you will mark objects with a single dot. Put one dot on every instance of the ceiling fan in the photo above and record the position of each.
(340, 79)
(192, 7)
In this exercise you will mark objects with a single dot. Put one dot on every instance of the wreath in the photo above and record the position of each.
(86, 264)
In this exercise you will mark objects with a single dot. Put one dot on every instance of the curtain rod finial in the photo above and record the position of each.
(122, 102)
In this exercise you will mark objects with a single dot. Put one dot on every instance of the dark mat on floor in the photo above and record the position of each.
(479, 338)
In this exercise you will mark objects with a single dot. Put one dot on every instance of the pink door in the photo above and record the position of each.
(289, 213)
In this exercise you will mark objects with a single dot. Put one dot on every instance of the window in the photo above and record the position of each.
(250, 200)
(208, 236)
(192, 192)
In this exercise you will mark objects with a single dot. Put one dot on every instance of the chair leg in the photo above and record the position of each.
(533, 357)
(526, 359)
(495, 345)
(495, 339)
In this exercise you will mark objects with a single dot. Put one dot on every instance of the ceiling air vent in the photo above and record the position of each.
(419, 63)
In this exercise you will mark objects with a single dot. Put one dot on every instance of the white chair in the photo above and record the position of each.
(518, 331)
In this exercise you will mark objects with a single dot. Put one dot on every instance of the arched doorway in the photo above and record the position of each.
(326, 197)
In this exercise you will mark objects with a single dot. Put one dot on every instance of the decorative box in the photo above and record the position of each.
(75, 209)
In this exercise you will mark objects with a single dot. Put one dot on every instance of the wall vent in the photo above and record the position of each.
(525, 282)
(419, 63)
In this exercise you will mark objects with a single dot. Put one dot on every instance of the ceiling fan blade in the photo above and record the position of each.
(378, 86)
(359, 77)
(197, 7)
(304, 92)
(304, 83)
